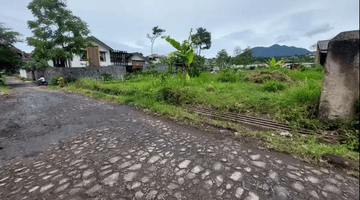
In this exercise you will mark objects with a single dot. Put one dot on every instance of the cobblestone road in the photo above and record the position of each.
(137, 156)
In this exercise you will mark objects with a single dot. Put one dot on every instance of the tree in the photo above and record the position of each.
(8, 59)
(244, 58)
(155, 34)
(58, 34)
(313, 46)
(202, 39)
(237, 51)
(184, 51)
(222, 58)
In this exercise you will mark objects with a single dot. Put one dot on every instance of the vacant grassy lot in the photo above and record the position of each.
(285, 95)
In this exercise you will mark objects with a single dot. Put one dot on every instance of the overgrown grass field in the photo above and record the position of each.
(285, 95)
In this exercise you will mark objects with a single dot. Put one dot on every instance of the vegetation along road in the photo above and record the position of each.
(57, 145)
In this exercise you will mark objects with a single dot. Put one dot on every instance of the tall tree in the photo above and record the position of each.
(202, 39)
(157, 32)
(8, 59)
(58, 34)
(237, 51)
(222, 57)
(244, 58)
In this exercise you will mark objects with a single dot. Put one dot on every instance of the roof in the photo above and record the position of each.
(347, 35)
(154, 56)
(323, 45)
(24, 56)
(99, 41)
(140, 55)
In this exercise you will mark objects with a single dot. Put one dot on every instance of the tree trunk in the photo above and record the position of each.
(199, 50)
(152, 48)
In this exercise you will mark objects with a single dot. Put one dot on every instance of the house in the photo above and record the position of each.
(321, 51)
(103, 59)
(136, 61)
(25, 57)
(155, 58)
(98, 54)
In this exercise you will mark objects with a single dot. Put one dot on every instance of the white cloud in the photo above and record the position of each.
(123, 25)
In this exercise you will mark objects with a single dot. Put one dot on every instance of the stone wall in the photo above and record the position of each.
(341, 77)
(79, 72)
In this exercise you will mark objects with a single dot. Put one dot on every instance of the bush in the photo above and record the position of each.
(58, 80)
(311, 92)
(175, 96)
(228, 75)
(273, 86)
(128, 76)
(106, 77)
(3, 79)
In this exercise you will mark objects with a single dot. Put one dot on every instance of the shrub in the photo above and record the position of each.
(178, 96)
(309, 93)
(58, 80)
(273, 86)
(228, 75)
(128, 76)
(106, 77)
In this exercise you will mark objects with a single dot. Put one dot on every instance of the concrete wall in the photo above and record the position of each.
(22, 73)
(79, 72)
(341, 77)
(30, 74)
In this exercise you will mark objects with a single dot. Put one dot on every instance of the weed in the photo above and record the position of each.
(106, 77)
(262, 76)
(273, 86)
(227, 75)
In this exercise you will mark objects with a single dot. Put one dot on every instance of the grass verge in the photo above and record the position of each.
(3, 88)
(286, 95)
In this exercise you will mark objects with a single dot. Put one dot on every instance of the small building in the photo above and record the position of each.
(136, 61)
(321, 51)
(155, 58)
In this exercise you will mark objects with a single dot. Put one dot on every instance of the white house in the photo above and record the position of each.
(80, 61)
(108, 56)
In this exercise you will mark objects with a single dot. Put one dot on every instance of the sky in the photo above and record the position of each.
(123, 25)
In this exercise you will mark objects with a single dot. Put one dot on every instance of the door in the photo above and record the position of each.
(93, 56)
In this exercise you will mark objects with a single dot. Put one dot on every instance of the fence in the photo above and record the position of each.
(76, 72)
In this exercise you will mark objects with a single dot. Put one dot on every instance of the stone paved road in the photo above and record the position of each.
(136, 156)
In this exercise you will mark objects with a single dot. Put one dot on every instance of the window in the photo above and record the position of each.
(102, 56)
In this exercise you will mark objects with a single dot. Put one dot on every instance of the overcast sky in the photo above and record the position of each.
(123, 25)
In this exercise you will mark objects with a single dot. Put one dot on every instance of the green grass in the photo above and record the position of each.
(3, 87)
(288, 96)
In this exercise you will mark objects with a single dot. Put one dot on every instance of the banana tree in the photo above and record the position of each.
(184, 51)
(169, 61)
(272, 63)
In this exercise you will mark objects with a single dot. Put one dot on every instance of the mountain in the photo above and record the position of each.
(277, 50)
